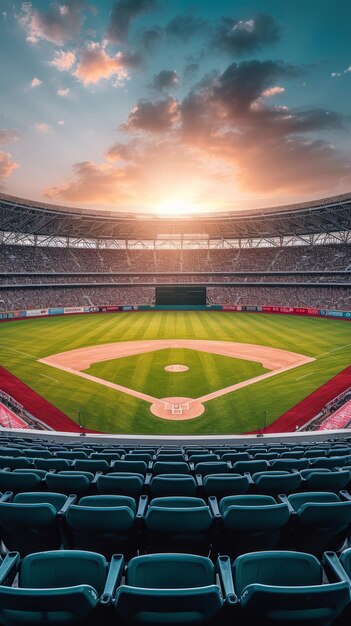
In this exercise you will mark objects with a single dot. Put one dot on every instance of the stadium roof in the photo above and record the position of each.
(328, 215)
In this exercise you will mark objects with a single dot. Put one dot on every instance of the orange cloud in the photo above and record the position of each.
(63, 61)
(95, 64)
(7, 165)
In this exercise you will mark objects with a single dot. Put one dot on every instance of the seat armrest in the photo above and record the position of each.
(249, 477)
(283, 499)
(8, 568)
(7, 496)
(113, 579)
(70, 500)
(95, 479)
(191, 466)
(142, 507)
(148, 478)
(226, 579)
(199, 480)
(344, 495)
(213, 504)
(333, 567)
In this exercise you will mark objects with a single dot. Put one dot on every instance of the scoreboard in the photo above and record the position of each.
(181, 295)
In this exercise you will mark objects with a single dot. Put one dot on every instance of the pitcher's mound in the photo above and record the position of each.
(176, 368)
(177, 408)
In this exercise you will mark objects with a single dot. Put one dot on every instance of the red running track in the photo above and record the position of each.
(36, 404)
(312, 404)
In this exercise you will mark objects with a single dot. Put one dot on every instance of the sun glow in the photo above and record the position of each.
(175, 207)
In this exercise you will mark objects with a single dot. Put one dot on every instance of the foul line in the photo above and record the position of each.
(334, 350)
(100, 381)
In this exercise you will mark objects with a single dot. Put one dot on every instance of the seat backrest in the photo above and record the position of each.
(63, 483)
(14, 462)
(64, 568)
(101, 501)
(250, 466)
(173, 485)
(233, 457)
(121, 483)
(225, 484)
(11, 481)
(57, 500)
(91, 465)
(202, 458)
(172, 571)
(289, 464)
(277, 567)
(52, 464)
(212, 467)
(137, 467)
(170, 467)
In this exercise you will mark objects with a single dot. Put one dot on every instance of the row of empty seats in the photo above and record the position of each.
(70, 587)
(308, 521)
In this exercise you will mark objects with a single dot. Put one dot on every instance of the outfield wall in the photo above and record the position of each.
(282, 310)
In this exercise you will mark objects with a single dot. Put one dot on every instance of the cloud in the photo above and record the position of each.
(63, 61)
(149, 116)
(95, 64)
(122, 151)
(61, 23)
(241, 37)
(272, 91)
(136, 173)
(269, 147)
(150, 38)
(164, 80)
(7, 165)
(122, 14)
(35, 82)
(61, 122)
(8, 135)
(93, 183)
(190, 71)
(42, 127)
(182, 27)
(63, 92)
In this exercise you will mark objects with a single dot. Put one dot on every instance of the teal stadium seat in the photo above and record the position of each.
(102, 523)
(60, 588)
(169, 589)
(275, 482)
(325, 480)
(221, 485)
(287, 588)
(178, 524)
(120, 483)
(135, 467)
(31, 522)
(170, 467)
(18, 481)
(70, 482)
(321, 521)
(251, 522)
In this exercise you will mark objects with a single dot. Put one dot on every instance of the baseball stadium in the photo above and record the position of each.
(175, 313)
(176, 326)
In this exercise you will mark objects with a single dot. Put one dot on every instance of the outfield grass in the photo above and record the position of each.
(101, 408)
(146, 373)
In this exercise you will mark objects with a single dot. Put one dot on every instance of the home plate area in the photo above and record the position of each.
(176, 408)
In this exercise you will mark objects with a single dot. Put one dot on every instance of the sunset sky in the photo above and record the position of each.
(175, 105)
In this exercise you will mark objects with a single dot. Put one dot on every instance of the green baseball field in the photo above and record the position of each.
(175, 372)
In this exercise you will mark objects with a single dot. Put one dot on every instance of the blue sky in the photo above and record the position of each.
(175, 106)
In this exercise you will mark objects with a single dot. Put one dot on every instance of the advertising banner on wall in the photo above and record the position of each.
(35, 312)
(109, 308)
(74, 309)
(90, 309)
(56, 311)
